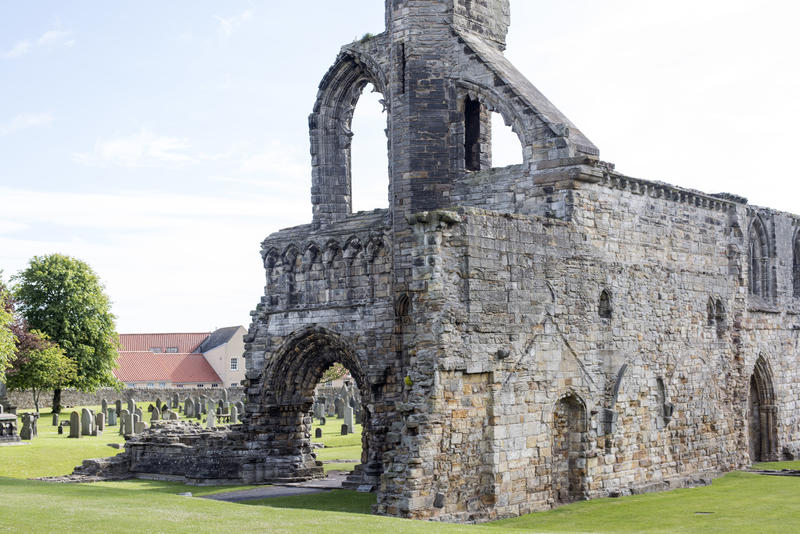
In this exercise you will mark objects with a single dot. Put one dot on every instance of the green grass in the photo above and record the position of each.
(777, 466)
(338, 447)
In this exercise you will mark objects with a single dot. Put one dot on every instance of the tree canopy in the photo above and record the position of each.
(7, 337)
(63, 298)
(38, 365)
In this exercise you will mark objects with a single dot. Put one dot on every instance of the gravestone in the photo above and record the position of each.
(322, 421)
(234, 415)
(225, 395)
(118, 406)
(172, 416)
(86, 422)
(139, 427)
(319, 410)
(158, 403)
(27, 427)
(156, 415)
(55, 419)
(125, 422)
(211, 420)
(112, 417)
(189, 410)
(104, 406)
(138, 411)
(348, 418)
(344, 430)
(60, 429)
(175, 402)
(131, 405)
(220, 407)
(338, 404)
(150, 408)
(99, 423)
(318, 433)
(240, 408)
(74, 425)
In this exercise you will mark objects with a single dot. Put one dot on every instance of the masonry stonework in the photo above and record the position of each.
(522, 336)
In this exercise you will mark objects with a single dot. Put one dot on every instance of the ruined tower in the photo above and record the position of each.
(521, 336)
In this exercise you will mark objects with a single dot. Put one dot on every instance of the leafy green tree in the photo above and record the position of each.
(7, 337)
(39, 365)
(63, 298)
(337, 370)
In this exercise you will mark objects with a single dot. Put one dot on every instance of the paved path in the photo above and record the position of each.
(332, 481)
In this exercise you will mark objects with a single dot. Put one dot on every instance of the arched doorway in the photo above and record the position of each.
(762, 414)
(293, 375)
(569, 450)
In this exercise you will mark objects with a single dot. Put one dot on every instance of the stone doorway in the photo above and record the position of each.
(569, 450)
(761, 414)
(295, 373)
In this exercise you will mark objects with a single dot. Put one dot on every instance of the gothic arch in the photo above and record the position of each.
(329, 125)
(762, 413)
(570, 442)
(758, 258)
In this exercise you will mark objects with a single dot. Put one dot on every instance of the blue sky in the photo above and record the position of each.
(162, 141)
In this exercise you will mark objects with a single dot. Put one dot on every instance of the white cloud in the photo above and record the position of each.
(142, 149)
(228, 24)
(277, 160)
(25, 121)
(48, 39)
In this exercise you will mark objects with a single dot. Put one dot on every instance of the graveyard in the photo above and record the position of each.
(729, 504)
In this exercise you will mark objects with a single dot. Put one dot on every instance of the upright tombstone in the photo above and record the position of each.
(156, 415)
(211, 420)
(104, 406)
(125, 422)
(99, 423)
(139, 426)
(158, 403)
(86, 422)
(224, 395)
(112, 417)
(171, 415)
(138, 411)
(175, 401)
(220, 406)
(131, 405)
(318, 433)
(74, 425)
(27, 427)
(240, 408)
(348, 418)
(345, 430)
(188, 411)
(234, 414)
(55, 419)
(322, 421)
(339, 407)
(118, 406)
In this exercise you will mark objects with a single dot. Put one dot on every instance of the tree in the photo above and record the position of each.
(38, 365)
(7, 337)
(337, 370)
(63, 298)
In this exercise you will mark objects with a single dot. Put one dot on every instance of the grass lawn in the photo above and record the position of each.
(737, 502)
(338, 447)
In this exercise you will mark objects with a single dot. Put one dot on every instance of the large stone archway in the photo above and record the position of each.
(569, 449)
(290, 378)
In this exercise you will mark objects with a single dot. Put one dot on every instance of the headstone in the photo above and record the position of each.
(138, 412)
(175, 402)
(348, 418)
(344, 430)
(339, 407)
(55, 419)
(139, 427)
(211, 420)
(156, 415)
(99, 423)
(125, 422)
(220, 407)
(318, 433)
(60, 429)
(104, 406)
(35, 424)
(27, 427)
(189, 410)
(150, 408)
(118, 406)
(234, 415)
(86, 422)
(204, 404)
(173, 416)
(240, 408)
(158, 403)
(131, 405)
(112, 417)
(224, 395)
(74, 425)
(322, 421)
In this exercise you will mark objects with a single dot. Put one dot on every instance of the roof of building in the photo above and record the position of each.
(184, 343)
(218, 337)
(146, 366)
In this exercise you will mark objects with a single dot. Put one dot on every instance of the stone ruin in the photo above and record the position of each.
(521, 336)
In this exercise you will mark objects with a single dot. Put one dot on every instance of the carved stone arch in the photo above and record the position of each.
(375, 246)
(352, 248)
(762, 413)
(570, 428)
(759, 254)
(331, 253)
(497, 103)
(271, 258)
(329, 125)
(605, 304)
(289, 258)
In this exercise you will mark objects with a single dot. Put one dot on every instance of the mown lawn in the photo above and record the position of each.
(738, 502)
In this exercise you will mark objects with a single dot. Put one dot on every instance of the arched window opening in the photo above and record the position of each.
(506, 148)
(719, 316)
(796, 266)
(604, 308)
(369, 159)
(758, 257)
(569, 472)
(762, 414)
(477, 136)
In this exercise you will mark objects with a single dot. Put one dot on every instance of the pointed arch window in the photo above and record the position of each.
(758, 257)
(604, 308)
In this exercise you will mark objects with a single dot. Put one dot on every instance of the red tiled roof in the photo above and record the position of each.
(145, 366)
(185, 343)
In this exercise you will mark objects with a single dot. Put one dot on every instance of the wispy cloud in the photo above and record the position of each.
(142, 149)
(48, 39)
(228, 24)
(24, 121)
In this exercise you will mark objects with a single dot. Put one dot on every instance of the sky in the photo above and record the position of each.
(160, 142)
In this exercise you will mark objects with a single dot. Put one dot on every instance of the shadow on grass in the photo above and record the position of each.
(351, 502)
